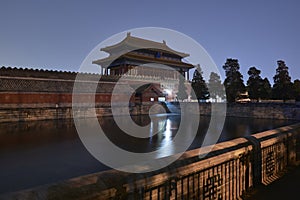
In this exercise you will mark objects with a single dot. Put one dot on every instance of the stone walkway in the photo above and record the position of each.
(286, 188)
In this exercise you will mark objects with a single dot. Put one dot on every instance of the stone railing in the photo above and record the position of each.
(228, 171)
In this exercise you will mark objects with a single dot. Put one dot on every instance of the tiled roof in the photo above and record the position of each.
(30, 80)
(132, 43)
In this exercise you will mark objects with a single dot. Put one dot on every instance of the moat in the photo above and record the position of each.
(42, 152)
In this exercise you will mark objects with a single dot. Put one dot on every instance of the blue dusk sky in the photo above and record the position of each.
(58, 35)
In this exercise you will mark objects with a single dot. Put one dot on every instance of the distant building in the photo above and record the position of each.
(243, 98)
(137, 59)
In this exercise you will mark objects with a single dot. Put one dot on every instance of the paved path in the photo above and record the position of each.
(286, 188)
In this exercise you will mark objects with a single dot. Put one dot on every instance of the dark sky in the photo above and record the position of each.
(60, 34)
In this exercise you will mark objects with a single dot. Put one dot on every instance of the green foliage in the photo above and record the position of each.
(199, 86)
(283, 87)
(215, 86)
(234, 84)
(182, 94)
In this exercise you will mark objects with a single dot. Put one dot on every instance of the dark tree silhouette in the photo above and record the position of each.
(296, 88)
(199, 86)
(282, 88)
(266, 92)
(215, 86)
(255, 84)
(182, 94)
(233, 82)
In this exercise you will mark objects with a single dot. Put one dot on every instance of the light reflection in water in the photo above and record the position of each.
(168, 133)
(166, 140)
(151, 132)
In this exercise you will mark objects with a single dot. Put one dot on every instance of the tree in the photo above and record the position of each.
(296, 88)
(266, 92)
(282, 88)
(215, 86)
(234, 84)
(199, 86)
(181, 94)
(257, 87)
(255, 84)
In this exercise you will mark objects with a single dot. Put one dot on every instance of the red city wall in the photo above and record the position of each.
(35, 98)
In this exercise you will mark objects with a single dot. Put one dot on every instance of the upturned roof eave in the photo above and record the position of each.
(133, 43)
(105, 62)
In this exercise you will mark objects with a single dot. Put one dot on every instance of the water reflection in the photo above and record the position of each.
(41, 152)
(166, 139)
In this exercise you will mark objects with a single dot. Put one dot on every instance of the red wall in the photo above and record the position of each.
(33, 98)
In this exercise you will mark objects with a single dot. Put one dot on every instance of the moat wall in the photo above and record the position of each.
(29, 112)
(48, 112)
(265, 110)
